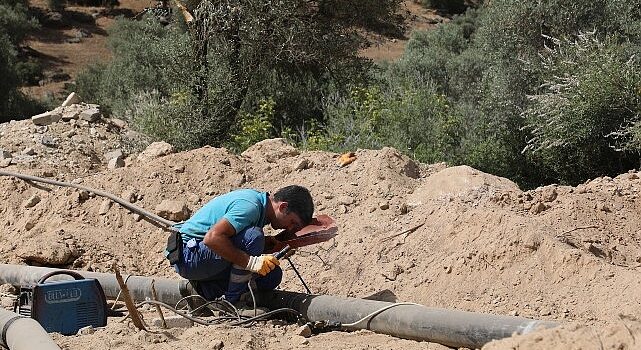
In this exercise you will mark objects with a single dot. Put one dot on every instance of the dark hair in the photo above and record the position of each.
(299, 201)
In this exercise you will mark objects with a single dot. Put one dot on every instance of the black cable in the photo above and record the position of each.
(298, 274)
(210, 322)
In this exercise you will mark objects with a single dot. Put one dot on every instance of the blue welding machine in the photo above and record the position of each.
(64, 306)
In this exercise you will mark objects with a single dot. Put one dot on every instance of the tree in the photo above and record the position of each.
(14, 26)
(242, 52)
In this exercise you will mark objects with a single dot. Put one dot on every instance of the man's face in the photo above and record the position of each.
(286, 219)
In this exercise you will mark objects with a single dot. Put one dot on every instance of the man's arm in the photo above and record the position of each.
(217, 239)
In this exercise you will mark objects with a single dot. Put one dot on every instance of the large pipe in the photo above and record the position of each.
(448, 327)
(23, 333)
(168, 290)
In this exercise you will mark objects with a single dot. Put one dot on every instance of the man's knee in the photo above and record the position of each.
(250, 240)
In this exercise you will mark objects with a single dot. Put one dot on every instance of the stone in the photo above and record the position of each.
(114, 154)
(29, 151)
(70, 134)
(301, 165)
(72, 99)
(129, 196)
(345, 200)
(549, 194)
(70, 115)
(216, 344)
(5, 154)
(537, 208)
(115, 163)
(383, 205)
(47, 251)
(91, 115)
(104, 207)
(156, 150)
(119, 123)
(342, 209)
(29, 225)
(49, 141)
(86, 330)
(45, 118)
(304, 331)
(174, 321)
(5, 162)
(173, 210)
(32, 201)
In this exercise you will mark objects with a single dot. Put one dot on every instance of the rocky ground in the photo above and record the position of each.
(571, 254)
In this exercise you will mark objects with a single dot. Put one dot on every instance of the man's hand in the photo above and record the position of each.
(263, 264)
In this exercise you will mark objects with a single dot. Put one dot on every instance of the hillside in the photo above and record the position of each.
(571, 254)
(69, 45)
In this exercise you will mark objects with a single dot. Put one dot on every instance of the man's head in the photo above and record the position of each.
(293, 208)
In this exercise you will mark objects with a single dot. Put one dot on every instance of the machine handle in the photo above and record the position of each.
(73, 274)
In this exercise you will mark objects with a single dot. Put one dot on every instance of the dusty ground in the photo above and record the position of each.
(571, 254)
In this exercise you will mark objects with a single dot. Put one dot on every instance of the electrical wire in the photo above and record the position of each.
(136, 209)
(214, 321)
(372, 315)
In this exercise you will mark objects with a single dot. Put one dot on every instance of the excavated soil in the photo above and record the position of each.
(570, 254)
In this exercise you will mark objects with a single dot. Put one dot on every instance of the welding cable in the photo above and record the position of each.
(372, 315)
(210, 322)
(134, 208)
(207, 303)
(291, 263)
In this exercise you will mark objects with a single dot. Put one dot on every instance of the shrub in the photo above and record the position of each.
(254, 127)
(591, 92)
(417, 121)
(14, 26)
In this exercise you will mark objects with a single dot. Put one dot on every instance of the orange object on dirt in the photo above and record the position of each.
(346, 158)
(321, 229)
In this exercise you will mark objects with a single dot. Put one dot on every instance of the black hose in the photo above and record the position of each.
(132, 207)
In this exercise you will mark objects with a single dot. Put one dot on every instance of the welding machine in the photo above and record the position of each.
(64, 306)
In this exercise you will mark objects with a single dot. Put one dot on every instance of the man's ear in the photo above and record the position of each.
(283, 207)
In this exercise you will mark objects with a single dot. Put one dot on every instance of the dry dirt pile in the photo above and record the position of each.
(450, 237)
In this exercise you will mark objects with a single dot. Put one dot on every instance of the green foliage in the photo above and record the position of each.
(591, 91)
(255, 127)
(416, 120)
(487, 62)
(227, 59)
(29, 71)
(14, 26)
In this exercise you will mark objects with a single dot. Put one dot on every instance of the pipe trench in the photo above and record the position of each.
(404, 320)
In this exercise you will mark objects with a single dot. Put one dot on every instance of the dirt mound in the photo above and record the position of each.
(441, 236)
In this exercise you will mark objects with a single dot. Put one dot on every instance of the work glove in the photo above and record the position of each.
(263, 264)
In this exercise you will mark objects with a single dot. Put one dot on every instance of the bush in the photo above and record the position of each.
(486, 62)
(14, 26)
(590, 93)
(417, 121)
(254, 127)
(29, 72)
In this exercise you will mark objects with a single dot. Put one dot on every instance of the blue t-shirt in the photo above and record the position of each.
(242, 208)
